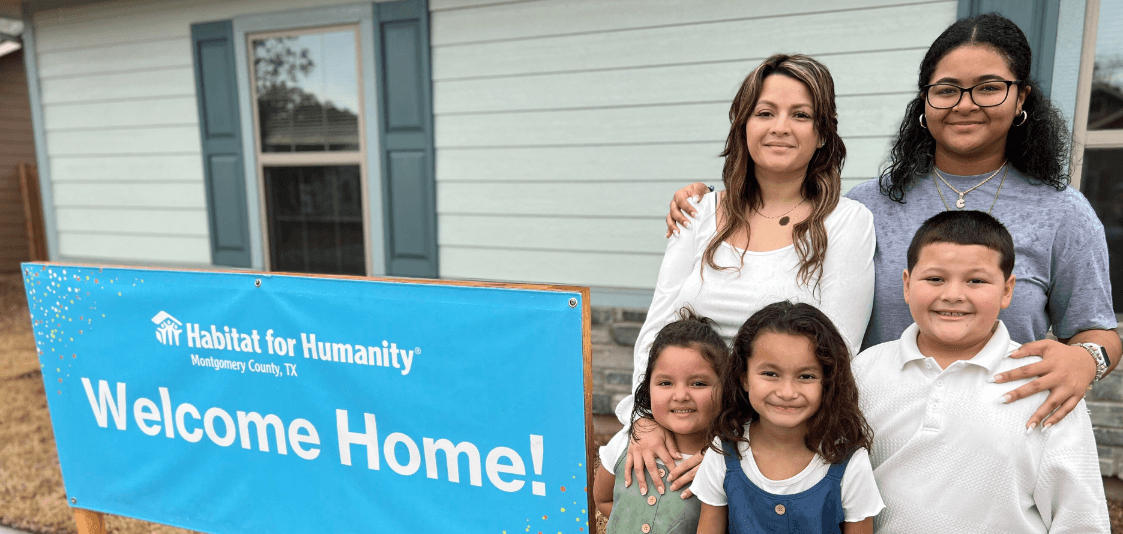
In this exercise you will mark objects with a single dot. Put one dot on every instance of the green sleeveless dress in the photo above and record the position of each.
(652, 513)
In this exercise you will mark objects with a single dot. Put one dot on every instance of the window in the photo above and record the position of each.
(1098, 128)
(310, 149)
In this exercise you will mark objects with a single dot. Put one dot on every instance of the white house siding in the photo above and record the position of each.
(563, 127)
(118, 94)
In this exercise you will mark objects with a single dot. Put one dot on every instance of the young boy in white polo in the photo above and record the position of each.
(948, 455)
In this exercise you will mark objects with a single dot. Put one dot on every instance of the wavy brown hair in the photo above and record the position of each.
(838, 428)
(823, 183)
(689, 331)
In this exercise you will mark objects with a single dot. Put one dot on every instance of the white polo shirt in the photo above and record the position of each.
(948, 456)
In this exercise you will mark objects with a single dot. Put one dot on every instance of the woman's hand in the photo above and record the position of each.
(684, 473)
(681, 208)
(1066, 371)
(654, 441)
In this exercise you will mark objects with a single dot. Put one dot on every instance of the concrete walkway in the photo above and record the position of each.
(6, 530)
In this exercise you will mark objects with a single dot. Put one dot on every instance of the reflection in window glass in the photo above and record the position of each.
(1105, 108)
(307, 92)
(1104, 190)
(315, 219)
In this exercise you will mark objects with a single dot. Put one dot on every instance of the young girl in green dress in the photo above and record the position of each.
(681, 392)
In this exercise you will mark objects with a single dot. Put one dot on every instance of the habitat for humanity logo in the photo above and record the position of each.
(167, 328)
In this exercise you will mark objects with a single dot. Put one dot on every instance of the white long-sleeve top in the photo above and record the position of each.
(948, 457)
(844, 293)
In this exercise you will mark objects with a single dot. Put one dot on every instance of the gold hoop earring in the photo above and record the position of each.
(922, 124)
(1025, 117)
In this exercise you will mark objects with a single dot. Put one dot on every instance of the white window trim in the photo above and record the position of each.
(363, 15)
(312, 158)
(1082, 138)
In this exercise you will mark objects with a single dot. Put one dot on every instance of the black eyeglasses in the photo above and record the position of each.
(985, 95)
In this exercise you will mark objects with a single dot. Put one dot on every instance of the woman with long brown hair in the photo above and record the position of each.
(779, 231)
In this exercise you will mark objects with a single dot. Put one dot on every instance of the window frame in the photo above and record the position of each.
(292, 20)
(1082, 138)
(302, 159)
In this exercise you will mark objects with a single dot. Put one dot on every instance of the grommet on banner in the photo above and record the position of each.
(572, 303)
(73, 500)
(257, 283)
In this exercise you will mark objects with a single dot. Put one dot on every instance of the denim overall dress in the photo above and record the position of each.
(812, 511)
(633, 513)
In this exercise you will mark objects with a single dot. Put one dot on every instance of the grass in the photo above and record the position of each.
(32, 496)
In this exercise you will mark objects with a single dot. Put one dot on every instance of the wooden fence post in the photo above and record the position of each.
(33, 212)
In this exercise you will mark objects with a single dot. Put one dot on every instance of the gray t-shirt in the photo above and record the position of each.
(1061, 262)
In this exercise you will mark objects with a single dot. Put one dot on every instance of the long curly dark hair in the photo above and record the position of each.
(689, 331)
(823, 183)
(1038, 149)
(838, 428)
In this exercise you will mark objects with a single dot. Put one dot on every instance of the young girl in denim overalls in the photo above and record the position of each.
(680, 391)
(790, 441)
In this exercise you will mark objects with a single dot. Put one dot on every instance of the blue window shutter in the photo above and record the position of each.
(405, 127)
(1037, 19)
(216, 89)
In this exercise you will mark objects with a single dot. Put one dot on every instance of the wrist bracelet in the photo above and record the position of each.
(1099, 355)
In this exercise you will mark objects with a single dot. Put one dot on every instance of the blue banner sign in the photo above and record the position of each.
(248, 402)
